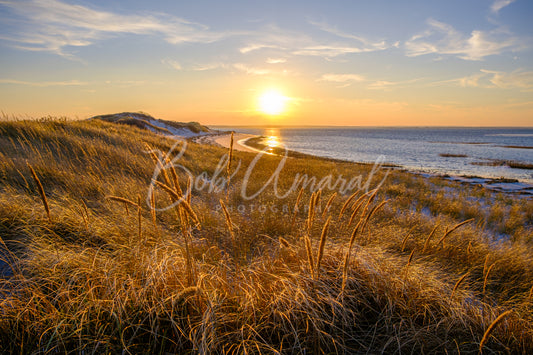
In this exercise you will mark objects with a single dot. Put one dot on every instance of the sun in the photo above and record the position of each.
(272, 102)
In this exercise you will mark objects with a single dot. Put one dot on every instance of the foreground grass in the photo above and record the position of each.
(104, 273)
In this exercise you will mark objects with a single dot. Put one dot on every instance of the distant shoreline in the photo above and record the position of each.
(252, 143)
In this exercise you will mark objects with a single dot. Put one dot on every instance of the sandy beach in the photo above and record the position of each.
(224, 140)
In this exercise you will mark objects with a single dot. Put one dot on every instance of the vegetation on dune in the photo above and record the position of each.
(145, 121)
(95, 262)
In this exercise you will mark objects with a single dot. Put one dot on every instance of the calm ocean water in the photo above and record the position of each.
(481, 150)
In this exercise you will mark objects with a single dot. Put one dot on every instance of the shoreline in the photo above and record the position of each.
(251, 143)
(223, 140)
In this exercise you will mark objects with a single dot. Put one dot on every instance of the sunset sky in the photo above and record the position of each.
(357, 63)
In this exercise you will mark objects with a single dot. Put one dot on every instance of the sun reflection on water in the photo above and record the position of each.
(272, 139)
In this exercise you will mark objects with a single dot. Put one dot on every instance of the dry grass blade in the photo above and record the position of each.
(311, 213)
(228, 167)
(328, 204)
(283, 242)
(404, 241)
(309, 250)
(189, 190)
(372, 212)
(486, 264)
(173, 194)
(370, 199)
(426, 243)
(354, 234)
(139, 217)
(152, 208)
(190, 213)
(295, 212)
(321, 245)
(469, 248)
(458, 283)
(345, 206)
(175, 178)
(317, 200)
(160, 164)
(448, 232)
(123, 200)
(410, 258)
(357, 206)
(229, 223)
(348, 253)
(84, 212)
(487, 276)
(41, 192)
(182, 203)
(491, 328)
(408, 264)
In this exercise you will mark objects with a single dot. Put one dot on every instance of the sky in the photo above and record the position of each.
(343, 63)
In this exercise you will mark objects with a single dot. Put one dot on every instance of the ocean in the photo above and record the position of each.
(484, 152)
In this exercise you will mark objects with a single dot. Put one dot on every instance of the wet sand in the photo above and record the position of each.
(225, 140)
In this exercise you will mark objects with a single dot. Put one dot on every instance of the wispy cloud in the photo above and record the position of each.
(491, 79)
(368, 45)
(388, 85)
(342, 78)
(442, 38)
(53, 25)
(515, 79)
(208, 66)
(344, 43)
(251, 70)
(276, 60)
(43, 83)
(371, 84)
(295, 43)
(497, 5)
(257, 46)
(328, 51)
(172, 63)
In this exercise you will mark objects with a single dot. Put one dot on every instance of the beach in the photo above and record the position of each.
(238, 141)
(270, 247)
(491, 181)
(224, 140)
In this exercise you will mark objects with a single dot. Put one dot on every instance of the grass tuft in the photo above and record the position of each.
(41, 192)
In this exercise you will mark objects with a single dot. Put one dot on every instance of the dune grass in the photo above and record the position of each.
(415, 265)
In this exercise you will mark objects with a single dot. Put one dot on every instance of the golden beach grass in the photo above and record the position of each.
(208, 276)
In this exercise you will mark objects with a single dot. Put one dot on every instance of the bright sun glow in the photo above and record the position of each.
(272, 103)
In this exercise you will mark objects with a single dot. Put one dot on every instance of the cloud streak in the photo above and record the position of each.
(329, 51)
(497, 5)
(342, 78)
(345, 43)
(52, 25)
(442, 38)
(367, 44)
(172, 63)
(295, 43)
(251, 70)
(492, 79)
(371, 84)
